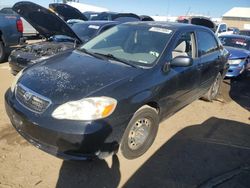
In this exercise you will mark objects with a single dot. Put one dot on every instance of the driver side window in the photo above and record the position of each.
(185, 46)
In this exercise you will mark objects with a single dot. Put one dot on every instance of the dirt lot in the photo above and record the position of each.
(204, 144)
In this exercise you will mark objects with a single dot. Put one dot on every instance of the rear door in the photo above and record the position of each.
(209, 58)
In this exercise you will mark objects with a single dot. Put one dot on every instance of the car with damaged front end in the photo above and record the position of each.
(239, 48)
(59, 36)
(113, 91)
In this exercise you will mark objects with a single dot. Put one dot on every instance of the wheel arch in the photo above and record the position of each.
(154, 105)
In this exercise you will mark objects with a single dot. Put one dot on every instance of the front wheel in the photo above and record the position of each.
(140, 133)
(214, 89)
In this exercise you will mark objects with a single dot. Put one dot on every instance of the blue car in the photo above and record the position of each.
(239, 48)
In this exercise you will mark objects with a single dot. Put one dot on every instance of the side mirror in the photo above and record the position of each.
(181, 61)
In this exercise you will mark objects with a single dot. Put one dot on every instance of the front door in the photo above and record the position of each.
(181, 84)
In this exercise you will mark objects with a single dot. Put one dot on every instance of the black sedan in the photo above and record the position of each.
(59, 36)
(116, 89)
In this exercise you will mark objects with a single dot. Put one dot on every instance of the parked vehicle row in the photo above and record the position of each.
(59, 36)
(94, 87)
(81, 29)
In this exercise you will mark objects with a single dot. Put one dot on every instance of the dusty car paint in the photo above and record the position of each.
(76, 75)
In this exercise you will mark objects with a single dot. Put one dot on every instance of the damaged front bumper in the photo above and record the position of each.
(235, 70)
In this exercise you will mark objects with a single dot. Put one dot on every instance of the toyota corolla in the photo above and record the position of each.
(113, 91)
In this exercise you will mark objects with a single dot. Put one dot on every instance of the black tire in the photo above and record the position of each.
(2, 52)
(214, 89)
(147, 118)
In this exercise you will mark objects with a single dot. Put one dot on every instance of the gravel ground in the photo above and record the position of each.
(203, 145)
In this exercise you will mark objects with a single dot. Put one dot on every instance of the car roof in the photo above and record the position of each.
(236, 36)
(169, 25)
(99, 23)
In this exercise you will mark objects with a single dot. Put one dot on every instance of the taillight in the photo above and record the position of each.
(19, 25)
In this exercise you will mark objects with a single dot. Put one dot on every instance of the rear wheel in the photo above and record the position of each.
(214, 89)
(2, 52)
(140, 133)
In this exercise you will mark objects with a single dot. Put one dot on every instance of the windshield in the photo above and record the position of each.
(235, 42)
(138, 44)
(85, 31)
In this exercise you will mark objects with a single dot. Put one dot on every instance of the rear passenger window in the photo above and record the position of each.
(206, 43)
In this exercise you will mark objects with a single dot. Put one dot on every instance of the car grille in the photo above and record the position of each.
(31, 100)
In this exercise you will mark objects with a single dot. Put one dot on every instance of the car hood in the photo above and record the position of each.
(125, 17)
(203, 22)
(199, 20)
(67, 12)
(74, 75)
(43, 20)
(237, 53)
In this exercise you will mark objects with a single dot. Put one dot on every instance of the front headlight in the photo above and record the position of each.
(86, 109)
(235, 61)
(13, 85)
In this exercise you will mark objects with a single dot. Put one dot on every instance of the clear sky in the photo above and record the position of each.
(213, 8)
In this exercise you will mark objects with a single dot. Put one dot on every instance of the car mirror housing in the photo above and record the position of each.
(181, 61)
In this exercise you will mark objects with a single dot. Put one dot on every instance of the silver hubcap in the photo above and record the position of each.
(139, 133)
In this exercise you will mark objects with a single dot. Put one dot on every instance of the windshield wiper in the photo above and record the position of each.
(90, 53)
(111, 56)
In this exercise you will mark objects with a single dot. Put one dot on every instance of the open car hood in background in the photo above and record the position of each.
(43, 20)
(125, 17)
(203, 22)
(67, 12)
(197, 20)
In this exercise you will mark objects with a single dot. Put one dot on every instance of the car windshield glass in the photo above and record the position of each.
(235, 42)
(85, 31)
(138, 44)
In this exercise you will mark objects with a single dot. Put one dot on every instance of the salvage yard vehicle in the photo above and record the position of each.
(114, 16)
(59, 35)
(11, 32)
(197, 20)
(146, 18)
(239, 49)
(67, 12)
(221, 29)
(115, 90)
